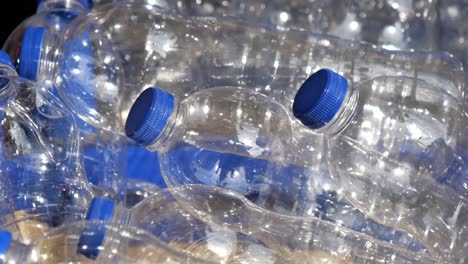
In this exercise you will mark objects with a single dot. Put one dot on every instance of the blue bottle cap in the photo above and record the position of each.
(101, 209)
(5, 59)
(30, 52)
(92, 238)
(149, 115)
(85, 4)
(5, 240)
(319, 98)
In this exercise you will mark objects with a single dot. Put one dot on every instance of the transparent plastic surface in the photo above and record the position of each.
(400, 24)
(122, 244)
(136, 46)
(240, 140)
(53, 15)
(28, 225)
(42, 184)
(136, 191)
(229, 120)
(100, 148)
(393, 149)
(220, 225)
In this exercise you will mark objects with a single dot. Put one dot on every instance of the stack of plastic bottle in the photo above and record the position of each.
(235, 131)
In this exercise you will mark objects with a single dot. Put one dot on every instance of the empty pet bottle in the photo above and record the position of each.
(106, 58)
(27, 46)
(219, 225)
(41, 181)
(392, 142)
(105, 159)
(225, 120)
(135, 46)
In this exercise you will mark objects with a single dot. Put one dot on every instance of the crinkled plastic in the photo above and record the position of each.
(218, 224)
(122, 244)
(186, 54)
(136, 46)
(395, 150)
(393, 24)
(42, 179)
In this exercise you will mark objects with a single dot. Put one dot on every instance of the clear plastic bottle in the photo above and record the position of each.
(178, 230)
(238, 139)
(393, 24)
(121, 244)
(53, 16)
(24, 45)
(136, 46)
(227, 120)
(42, 184)
(104, 152)
(298, 238)
(219, 225)
(392, 142)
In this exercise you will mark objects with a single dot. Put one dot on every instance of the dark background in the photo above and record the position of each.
(13, 13)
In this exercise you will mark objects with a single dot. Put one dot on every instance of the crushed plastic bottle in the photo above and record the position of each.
(105, 156)
(184, 55)
(53, 16)
(236, 139)
(393, 143)
(136, 46)
(299, 238)
(220, 225)
(42, 184)
(24, 44)
(188, 54)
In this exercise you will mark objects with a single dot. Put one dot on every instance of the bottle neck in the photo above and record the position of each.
(7, 74)
(63, 5)
(344, 115)
(173, 130)
(49, 57)
(6, 70)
